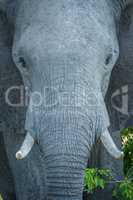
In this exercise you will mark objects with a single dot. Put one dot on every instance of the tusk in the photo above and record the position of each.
(26, 147)
(110, 145)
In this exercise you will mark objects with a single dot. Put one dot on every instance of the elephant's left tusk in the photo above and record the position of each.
(26, 147)
(110, 145)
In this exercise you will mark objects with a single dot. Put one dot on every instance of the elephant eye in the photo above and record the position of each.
(22, 62)
(108, 59)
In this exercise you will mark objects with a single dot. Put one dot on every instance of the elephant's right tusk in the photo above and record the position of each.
(110, 145)
(26, 147)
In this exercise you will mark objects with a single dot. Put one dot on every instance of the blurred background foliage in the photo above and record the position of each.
(127, 141)
(124, 189)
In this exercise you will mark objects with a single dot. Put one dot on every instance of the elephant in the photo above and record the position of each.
(64, 52)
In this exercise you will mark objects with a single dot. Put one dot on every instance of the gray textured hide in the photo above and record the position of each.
(67, 45)
(6, 179)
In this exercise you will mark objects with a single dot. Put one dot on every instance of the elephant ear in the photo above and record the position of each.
(12, 115)
(120, 93)
(6, 69)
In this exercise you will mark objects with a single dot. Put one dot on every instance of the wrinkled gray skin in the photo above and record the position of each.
(69, 46)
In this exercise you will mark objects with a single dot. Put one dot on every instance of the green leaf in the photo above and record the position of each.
(96, 178)
(1, 197)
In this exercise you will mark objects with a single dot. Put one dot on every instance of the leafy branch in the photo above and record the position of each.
(99, 179)
(95, 178)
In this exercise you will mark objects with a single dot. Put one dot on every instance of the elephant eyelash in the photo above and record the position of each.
(22, 62)
(108, 59)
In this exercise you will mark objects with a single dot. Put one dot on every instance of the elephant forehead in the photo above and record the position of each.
(71, 24)
(64, 37)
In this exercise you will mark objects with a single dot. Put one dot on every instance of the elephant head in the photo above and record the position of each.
(65, 51)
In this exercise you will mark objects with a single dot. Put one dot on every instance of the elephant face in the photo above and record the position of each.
(65, 51)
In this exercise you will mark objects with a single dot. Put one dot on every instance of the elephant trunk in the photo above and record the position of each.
(65, 177)
(65, 141)
(65, 137)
